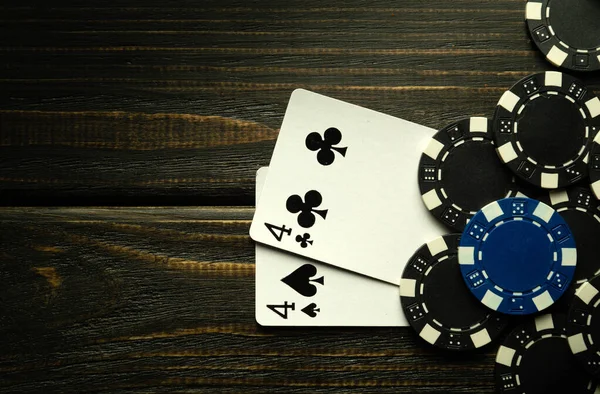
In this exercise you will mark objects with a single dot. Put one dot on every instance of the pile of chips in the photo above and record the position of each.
(521, 192)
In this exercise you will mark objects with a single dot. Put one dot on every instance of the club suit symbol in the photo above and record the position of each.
(325, 145)
(306, 207)
(300, 280)
(304, 240)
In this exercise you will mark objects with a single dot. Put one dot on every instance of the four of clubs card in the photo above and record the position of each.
(340, 190)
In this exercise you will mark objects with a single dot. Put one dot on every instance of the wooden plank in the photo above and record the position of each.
(71, 158)
(150, 299)
(180, 104)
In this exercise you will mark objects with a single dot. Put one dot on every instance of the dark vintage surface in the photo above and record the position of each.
(160, 113)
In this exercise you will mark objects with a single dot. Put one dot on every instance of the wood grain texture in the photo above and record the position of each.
(154, 299)
(161, 103)
(178, 103)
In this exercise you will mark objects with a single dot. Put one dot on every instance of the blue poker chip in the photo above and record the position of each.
(517, 256)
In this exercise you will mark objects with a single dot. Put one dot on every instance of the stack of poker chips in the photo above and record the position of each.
(521, 192)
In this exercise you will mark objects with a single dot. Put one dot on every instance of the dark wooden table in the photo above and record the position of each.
(130, 134)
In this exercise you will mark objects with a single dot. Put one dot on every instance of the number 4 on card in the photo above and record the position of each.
(284, 307)
(278, 232)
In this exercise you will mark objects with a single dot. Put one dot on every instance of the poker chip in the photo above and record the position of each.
(567, 32)
(581, 211)
(459, 172)
(517, 255)
(594, 166)
(583, 326)
(544, 126)
(439, 306)
(535, 359)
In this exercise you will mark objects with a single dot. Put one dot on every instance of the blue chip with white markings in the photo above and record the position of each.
(517, 256)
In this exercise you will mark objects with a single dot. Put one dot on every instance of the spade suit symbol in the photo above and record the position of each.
(311, 309)
(300, 281)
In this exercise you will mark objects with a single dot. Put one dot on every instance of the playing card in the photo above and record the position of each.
(342, 188)
(294, 291)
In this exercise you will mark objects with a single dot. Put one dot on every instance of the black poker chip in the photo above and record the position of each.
(594, 166)
(459, 172)
(581, 211)
(437, 303)
(583, 327)
(544, 127)
(535, 359)
(567, 32)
